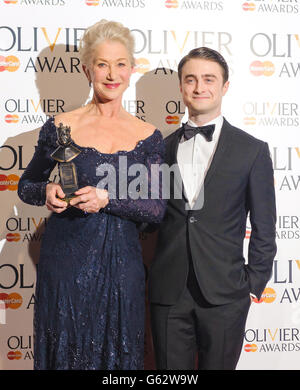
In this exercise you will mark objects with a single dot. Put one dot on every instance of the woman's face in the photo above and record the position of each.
(110, 71)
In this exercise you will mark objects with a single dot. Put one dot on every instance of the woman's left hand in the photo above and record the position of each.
(90, 199)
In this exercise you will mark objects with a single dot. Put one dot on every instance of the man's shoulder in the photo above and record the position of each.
(237, 135)
(175, 134)
(241, 136)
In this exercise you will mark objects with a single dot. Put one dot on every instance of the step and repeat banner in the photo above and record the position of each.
(41, 75)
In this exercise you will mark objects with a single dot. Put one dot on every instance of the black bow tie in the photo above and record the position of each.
(206, 131)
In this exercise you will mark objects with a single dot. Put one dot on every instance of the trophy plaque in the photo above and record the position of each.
(66, 152)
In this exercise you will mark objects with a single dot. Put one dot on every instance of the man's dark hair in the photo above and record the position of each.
(205, 53)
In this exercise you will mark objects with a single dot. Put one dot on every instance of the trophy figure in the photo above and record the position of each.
(66, 152)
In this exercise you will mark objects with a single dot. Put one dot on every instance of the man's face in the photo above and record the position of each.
(202, 87)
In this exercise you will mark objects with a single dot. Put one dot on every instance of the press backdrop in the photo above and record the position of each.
(41, 75)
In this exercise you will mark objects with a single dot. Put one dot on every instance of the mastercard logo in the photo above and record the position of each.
(9, 63)
(250, 348)
(268, 296)
(250, 120)
(13, 237)
(92, 2)
(12, 301)
(258, 68)
(171, 3)
(248, 6)
(9, 118)
(9, 182)
(172, 119)
(14, 355)
(142, 65)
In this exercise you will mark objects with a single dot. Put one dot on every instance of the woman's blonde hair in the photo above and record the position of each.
(101, 31)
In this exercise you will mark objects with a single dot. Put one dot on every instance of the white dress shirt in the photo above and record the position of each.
(194, 157)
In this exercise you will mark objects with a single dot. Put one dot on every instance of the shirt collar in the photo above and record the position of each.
(218, 122)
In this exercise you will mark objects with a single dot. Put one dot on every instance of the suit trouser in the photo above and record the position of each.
(193, 326)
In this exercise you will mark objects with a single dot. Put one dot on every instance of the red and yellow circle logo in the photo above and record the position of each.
(142, 65)
(9, 182)
(9, 63)
(259, 68)
(11, 118)
(250, 120)
(171, 3)
(172, 119)
(12, 300)
(13, 237)
(268, 296)
(14, 355)
(248, 6)
(250, 347)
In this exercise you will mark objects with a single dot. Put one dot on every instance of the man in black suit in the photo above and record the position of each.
(199, 281)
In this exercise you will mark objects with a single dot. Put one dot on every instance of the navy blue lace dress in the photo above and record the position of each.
(90, 296)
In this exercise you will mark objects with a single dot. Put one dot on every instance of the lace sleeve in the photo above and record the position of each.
(32, 184)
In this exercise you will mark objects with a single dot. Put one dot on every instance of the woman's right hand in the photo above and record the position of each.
(53, 192)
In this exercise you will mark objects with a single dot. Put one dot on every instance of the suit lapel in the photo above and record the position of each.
(172, 159)
(173, 147)
(219, 153)
(216, 161)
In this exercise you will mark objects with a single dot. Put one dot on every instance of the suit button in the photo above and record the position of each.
(192, 219)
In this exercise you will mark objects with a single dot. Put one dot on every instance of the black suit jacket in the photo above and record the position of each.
(238, 183)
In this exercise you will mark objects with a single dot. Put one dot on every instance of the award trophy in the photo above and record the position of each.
(66, 152)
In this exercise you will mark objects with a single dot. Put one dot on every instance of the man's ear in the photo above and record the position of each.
(225, 88)
(180, 86)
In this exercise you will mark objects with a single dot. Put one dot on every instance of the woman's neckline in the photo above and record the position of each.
(140, 142)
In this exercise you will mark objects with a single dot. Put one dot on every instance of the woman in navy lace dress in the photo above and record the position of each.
(89, 311)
